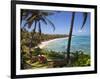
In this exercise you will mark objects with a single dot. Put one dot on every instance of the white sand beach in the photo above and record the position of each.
(43, 44)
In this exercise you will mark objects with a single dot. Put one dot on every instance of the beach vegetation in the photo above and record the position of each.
(52, 59)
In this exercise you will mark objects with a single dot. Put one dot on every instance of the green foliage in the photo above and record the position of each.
(24, 49)
(54, 55)
(24, 59)
(26, 39)
(81, 59)
(36, 51)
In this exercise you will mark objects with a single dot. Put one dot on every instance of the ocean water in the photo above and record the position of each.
(77, 43)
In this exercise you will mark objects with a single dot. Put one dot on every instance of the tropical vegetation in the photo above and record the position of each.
(34, 57)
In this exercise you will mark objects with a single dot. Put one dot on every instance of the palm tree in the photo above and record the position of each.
(70, 36)
(36, 17)
(70, 33)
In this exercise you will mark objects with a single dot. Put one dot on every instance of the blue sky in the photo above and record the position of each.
(62, 22)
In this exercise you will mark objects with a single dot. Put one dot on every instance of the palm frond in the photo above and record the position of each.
(50, 23)
(43, 20)
(84, 19)
(33, 13)
(31, 18)
(39, 29)
(37, 16)
(30, 24)
(46, 13)
(35, 26)
(25, 24)
(24, 14)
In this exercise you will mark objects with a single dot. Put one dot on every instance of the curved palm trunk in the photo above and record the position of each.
(69, 39)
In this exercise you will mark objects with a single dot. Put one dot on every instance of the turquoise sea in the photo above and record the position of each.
(77, 43)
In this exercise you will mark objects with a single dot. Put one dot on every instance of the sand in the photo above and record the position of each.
(43, 44)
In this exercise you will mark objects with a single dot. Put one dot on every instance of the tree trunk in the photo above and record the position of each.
(32, 38)
(30, 46)
(69, 39)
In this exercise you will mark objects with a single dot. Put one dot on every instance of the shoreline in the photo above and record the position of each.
(43, 44)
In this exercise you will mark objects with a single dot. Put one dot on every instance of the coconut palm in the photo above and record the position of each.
(70, 33)
(70, 36)
(32, 16)
(37, 17)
